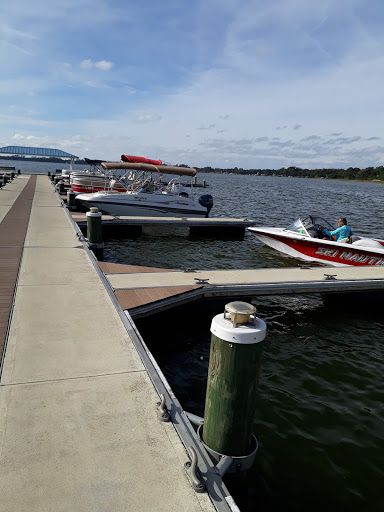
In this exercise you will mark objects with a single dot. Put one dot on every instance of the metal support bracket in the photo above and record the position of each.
(230, 464)
(194, 419)
(193, 473)
(162, 410)
(225, 463)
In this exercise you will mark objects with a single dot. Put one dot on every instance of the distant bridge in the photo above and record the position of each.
(21, 150)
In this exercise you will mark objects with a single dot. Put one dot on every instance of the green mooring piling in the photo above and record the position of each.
(71, 199)
(94, 229)
(61, 187)
(233, 379)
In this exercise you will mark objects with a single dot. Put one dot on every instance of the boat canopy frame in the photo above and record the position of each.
(165, 169)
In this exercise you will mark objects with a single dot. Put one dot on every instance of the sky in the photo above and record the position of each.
(257, 84)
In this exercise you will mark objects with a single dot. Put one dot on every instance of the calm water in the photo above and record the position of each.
(320, 405)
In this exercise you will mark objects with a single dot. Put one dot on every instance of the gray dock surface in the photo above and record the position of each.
(220, 222)
(211, 226)
(142, 292)
(78, 423)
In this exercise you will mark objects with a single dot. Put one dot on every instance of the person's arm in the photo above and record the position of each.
(336, 231)
(325, 230)
(331, 233)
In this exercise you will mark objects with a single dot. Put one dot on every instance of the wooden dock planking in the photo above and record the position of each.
(133, 298)
(13, 229)
(130, 299)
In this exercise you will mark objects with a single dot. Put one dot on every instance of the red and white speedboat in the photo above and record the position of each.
(304, 239)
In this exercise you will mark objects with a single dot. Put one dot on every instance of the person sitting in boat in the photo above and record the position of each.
(343, 231)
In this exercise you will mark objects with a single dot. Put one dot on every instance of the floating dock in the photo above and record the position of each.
(144, 291)
(80, 429)
(212, 226)
(80, 425)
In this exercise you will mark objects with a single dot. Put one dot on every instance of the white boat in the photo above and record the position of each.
(86, 184)
(65, 173)
(94, 179)
(304, 239)
(147, 196)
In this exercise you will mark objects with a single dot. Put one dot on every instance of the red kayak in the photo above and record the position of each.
(139, 159)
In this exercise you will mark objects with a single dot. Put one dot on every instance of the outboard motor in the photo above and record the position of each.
(206, 200)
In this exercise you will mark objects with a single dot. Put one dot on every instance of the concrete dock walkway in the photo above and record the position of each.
(78, 423)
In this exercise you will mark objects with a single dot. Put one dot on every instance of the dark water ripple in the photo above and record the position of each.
(320, 404)
(320, 409)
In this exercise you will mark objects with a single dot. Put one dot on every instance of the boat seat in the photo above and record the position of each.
(349, 240)
(312, 232)
(368, 242)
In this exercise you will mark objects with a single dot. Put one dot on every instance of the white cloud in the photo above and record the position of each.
(147, 118)
(311, 69)
(206, 126)
(20, 137)
(103, 65)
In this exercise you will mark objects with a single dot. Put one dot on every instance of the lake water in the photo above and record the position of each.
(320, 403)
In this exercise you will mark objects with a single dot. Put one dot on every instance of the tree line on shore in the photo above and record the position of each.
(352, 173)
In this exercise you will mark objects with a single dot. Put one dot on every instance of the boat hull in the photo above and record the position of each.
(322, 251)
(140, 206)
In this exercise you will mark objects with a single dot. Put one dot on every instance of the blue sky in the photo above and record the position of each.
(221, 83)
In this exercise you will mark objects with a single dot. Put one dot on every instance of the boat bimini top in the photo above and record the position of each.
(166, 169)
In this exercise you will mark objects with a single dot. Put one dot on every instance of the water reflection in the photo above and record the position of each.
(319, 404)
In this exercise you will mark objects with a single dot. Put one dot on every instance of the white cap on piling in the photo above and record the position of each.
(239, 324)
(94, 212)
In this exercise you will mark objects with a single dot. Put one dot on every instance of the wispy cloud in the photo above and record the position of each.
(147, 118)
(242, 83)
(102, 65)
(206, 126)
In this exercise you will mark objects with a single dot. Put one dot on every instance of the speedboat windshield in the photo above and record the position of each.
(309, 226)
